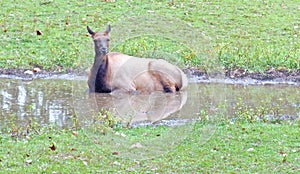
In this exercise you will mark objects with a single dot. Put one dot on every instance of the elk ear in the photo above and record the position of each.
(107, 29)
(90, 30)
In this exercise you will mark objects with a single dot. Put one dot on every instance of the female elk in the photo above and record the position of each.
(119, 72)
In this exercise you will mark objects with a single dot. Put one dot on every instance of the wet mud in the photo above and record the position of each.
(236, 76)
(241, 76)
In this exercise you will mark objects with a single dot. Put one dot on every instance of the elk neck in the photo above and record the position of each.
(99, 59)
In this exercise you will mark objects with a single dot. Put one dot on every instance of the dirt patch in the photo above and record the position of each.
(28, 74)
(242, 74)
(271, 74)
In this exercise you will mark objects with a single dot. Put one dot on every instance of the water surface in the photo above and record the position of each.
(63, 102)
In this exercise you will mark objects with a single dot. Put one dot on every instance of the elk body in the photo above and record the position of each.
(120, 72)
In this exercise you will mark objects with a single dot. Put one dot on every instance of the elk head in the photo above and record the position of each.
(101, 40)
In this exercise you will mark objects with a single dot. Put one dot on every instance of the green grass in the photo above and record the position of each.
(211, 35)
(234, 147)
(254, 35)
(246, 141)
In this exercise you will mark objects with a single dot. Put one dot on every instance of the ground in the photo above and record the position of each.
(270, 75)
(237, 74)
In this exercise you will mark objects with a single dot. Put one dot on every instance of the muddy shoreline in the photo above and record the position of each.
(237, 76)
(240, 76)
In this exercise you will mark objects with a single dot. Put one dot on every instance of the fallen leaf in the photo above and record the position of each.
(136, 145)
(52, 147)
(223, 157)
(115, 153)
(281, 152)
(116, 163)
(145, 134)
(120, 134)
(74, 133)
(85, 163)
(36, 70)
(284, 159)
(38, 32)
(212, 150)
(28, 162)
(250, 149)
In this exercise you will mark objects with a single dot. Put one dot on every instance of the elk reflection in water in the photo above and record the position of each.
(139, 108)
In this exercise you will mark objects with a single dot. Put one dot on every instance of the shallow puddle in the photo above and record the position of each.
(66, 103)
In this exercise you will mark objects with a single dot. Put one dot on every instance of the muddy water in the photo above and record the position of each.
(66, 102)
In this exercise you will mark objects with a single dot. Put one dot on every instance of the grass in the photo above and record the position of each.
(234, 147)
(253, 35)
(217, 144)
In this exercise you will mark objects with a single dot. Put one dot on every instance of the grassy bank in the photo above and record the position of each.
(253, 35)
(234, 147)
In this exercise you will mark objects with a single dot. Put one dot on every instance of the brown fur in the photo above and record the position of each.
(119, 72)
